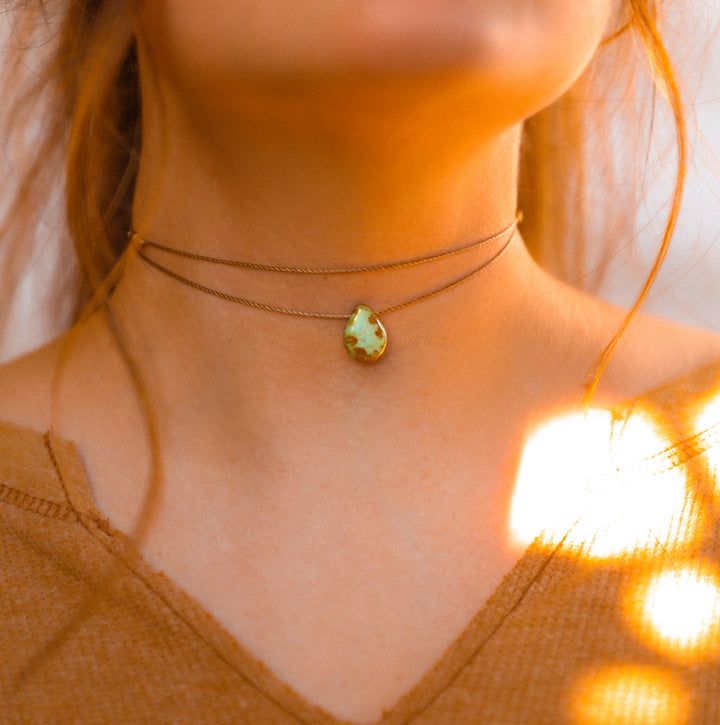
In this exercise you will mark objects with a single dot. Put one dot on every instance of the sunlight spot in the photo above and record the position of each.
(708, 426)
(586, 474)
(677, 612)
(630, 695)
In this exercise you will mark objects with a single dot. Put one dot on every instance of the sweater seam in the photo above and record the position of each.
(34, 504)
(123, 559)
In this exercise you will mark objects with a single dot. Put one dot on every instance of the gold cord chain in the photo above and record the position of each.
(323, 315)
(305, 270)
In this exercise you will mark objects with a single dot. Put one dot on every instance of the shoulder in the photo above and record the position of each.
(26, 385)
(657, 353)
(653, 352)
(66, 385)
(27, 476)
(672, 349)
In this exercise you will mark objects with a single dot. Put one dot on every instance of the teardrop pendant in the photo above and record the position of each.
(365, 336)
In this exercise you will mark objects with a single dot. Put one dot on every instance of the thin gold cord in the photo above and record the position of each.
(324, 315)
(136, 239)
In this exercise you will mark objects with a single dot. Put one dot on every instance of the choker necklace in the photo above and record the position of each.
(365, 336)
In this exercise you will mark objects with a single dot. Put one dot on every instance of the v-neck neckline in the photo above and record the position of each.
(484, 623)
(488, 619)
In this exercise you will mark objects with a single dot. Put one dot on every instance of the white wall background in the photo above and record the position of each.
(688, 288)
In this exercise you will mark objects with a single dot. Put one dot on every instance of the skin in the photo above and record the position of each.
(343, 522)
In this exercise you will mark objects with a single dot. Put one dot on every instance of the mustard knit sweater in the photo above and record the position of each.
(611, 616)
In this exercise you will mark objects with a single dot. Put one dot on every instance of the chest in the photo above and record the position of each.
(348, 609)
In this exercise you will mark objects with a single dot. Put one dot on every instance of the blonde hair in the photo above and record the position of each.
(560, 141)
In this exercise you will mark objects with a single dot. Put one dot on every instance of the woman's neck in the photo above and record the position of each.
(289, 189)
(302, 187)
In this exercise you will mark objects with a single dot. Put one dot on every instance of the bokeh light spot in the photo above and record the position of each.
(588, 475)
(677, 611)
(708, 427)
(630, 695)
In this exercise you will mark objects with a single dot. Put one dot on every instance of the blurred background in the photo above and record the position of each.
(688, 289)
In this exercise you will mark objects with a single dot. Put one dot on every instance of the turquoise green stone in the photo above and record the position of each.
(365, 337)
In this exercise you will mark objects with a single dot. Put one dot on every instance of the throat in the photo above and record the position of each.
(313, 325)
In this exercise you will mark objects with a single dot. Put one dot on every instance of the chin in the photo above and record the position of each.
(512, 56)
(405, 36)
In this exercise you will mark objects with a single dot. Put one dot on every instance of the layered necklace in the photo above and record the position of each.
(365, 336)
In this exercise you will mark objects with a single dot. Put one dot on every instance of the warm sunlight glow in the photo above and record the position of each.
(589, 475)
(708, 428)
(678, 611)
(627, 695)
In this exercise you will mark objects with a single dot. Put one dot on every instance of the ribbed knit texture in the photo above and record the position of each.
(577, 633)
